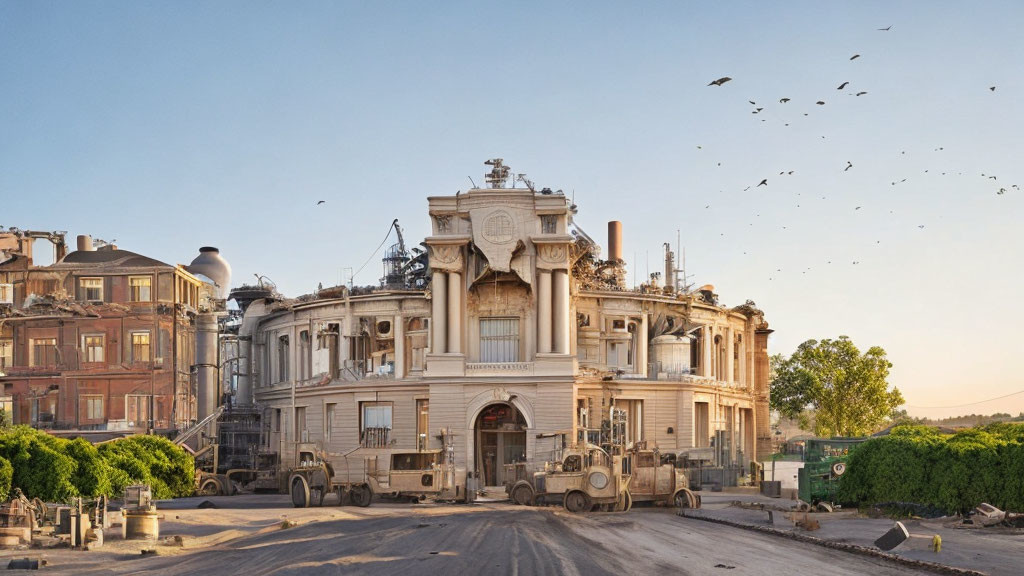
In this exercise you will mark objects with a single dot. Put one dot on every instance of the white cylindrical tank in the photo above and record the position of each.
(671, 353)
(209, 263)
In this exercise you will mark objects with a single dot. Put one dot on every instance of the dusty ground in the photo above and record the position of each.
(244, 536)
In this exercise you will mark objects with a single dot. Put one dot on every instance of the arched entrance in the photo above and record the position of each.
(500, 432)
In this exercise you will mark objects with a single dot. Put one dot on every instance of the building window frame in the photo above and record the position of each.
(137, 347)
(6, 293)
(42, 351)
(422, 423)
(94, 348)
(93, 404)
(376, 420)
(6, 352)
(139, 291)
(499, 339)
(91, 288)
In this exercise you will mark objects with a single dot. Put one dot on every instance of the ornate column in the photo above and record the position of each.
(454, 313)
(730, 355)
(553, 305)
(560, 312)
(709, 361)
(544, 311)
(439, 312)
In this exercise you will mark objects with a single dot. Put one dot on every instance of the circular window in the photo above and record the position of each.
(598, 480)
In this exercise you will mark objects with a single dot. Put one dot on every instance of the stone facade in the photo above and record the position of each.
(509, 350)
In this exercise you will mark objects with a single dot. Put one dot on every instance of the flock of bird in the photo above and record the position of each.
(760, 109)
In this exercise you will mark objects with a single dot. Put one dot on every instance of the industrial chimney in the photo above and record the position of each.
(670, 268)
(615, 240)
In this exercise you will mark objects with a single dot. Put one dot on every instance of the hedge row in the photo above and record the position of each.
(57, 470)
(954, 472)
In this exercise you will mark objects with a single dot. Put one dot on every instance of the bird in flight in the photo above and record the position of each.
(752, 103)
(321, 202)
(992, 88)
(848, 166)
(921, 226)
(1001, 191)
(886, 29)
(861, 93)
(783, 100)
(855, 56)
(819, 103)
(720, 81)
(763, 183)
(843, 85)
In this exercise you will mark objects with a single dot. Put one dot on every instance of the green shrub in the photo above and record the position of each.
(57, 470)
(41, 468)
(953, 472)
(6, 472)
(153, 460)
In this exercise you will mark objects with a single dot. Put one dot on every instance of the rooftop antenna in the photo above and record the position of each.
(471, 181)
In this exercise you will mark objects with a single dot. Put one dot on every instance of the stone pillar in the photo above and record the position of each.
(399, 331)
(439, 312)
(742, 376)
(560, 287)
(709, 361)
(642, 347)
(454, 312)
(543, 311)
(730, 355)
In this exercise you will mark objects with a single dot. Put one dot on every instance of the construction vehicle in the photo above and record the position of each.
(656, 478)
(824, 463)
(224, 446)
(583, 477)
(364, 472)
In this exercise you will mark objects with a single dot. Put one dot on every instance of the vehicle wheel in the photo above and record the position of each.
(300, 492)
(577, 502)
(360, 496)
(341, 493)
(685, 499)
(522, 495)
(210, 487)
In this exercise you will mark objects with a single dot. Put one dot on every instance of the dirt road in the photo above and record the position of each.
(244, 536)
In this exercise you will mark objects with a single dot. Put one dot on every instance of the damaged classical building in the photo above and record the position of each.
(513, 333)
(103, 339)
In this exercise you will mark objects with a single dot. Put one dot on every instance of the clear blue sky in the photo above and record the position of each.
(169, 126)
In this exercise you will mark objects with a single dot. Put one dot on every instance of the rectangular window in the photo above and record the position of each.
(44, 351)
(92, 348)
(6, 353)
(499, 339)
(92, 289)
(137, 410)
(93, 407)
(548, 224)
(140, 288)
(702, 425)
(301, 434)
(6, 293)
(329, 421)
(422, 424)
(282, 359)
(140, 347)
(304, 355)
(375, 424)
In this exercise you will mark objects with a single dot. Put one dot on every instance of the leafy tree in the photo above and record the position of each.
(847, 390)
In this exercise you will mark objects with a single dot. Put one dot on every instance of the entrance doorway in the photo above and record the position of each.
(500, 440)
